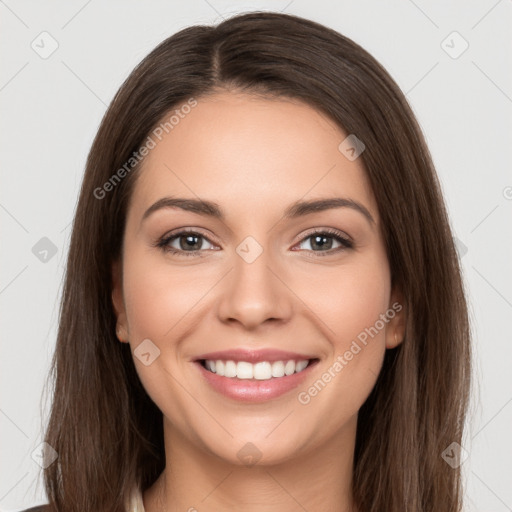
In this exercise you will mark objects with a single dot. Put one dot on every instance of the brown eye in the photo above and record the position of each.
(322, 242)
(187, 243)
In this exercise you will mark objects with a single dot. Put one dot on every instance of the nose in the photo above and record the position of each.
(255, 293)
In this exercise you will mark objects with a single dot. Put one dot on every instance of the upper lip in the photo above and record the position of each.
(254, 356)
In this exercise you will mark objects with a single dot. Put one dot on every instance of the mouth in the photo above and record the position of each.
(261, 381)
(262, 370)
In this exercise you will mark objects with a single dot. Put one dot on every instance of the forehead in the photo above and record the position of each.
(246, 152)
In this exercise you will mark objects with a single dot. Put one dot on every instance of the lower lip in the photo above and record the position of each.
(252, 390)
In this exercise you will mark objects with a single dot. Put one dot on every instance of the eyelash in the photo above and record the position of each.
(163, 242)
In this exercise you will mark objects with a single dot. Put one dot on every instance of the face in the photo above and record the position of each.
(263, 283)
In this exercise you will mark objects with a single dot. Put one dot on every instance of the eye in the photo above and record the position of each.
(323, 240)
(189, 243)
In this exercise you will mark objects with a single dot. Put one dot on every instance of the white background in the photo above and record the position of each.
(51, 109)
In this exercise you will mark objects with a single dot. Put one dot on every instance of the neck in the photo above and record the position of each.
(317, 478)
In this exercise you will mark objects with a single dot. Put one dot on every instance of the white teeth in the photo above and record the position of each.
(300, 365)
(230, 369)
(263, 370)
(243, 370)
(278, 369)
(289, 367)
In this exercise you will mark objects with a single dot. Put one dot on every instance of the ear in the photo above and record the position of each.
(118, 302)
(395, 330)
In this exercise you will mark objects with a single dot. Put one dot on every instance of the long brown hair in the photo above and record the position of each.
(107, 431)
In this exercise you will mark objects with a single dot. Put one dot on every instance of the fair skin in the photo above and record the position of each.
(254, 157)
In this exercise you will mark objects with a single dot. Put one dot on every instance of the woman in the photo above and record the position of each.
(263, 306)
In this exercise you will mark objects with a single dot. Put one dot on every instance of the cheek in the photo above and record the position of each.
(150, 308)
(157, 303)
(351, 303)
(157, 295)
(348, 299)
(364, 298)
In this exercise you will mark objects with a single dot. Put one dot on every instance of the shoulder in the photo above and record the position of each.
(39, 508)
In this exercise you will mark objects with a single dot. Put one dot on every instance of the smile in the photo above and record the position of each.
(252, 376)
(263, 370)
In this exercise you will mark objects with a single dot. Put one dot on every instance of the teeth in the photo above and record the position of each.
(259, 371)
(229, 369)
(301, 365)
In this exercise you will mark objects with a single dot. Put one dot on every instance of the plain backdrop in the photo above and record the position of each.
(452, 60)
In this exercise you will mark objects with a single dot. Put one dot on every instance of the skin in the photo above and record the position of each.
(254, 157)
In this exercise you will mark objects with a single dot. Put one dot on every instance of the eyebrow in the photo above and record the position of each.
(295, 210)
